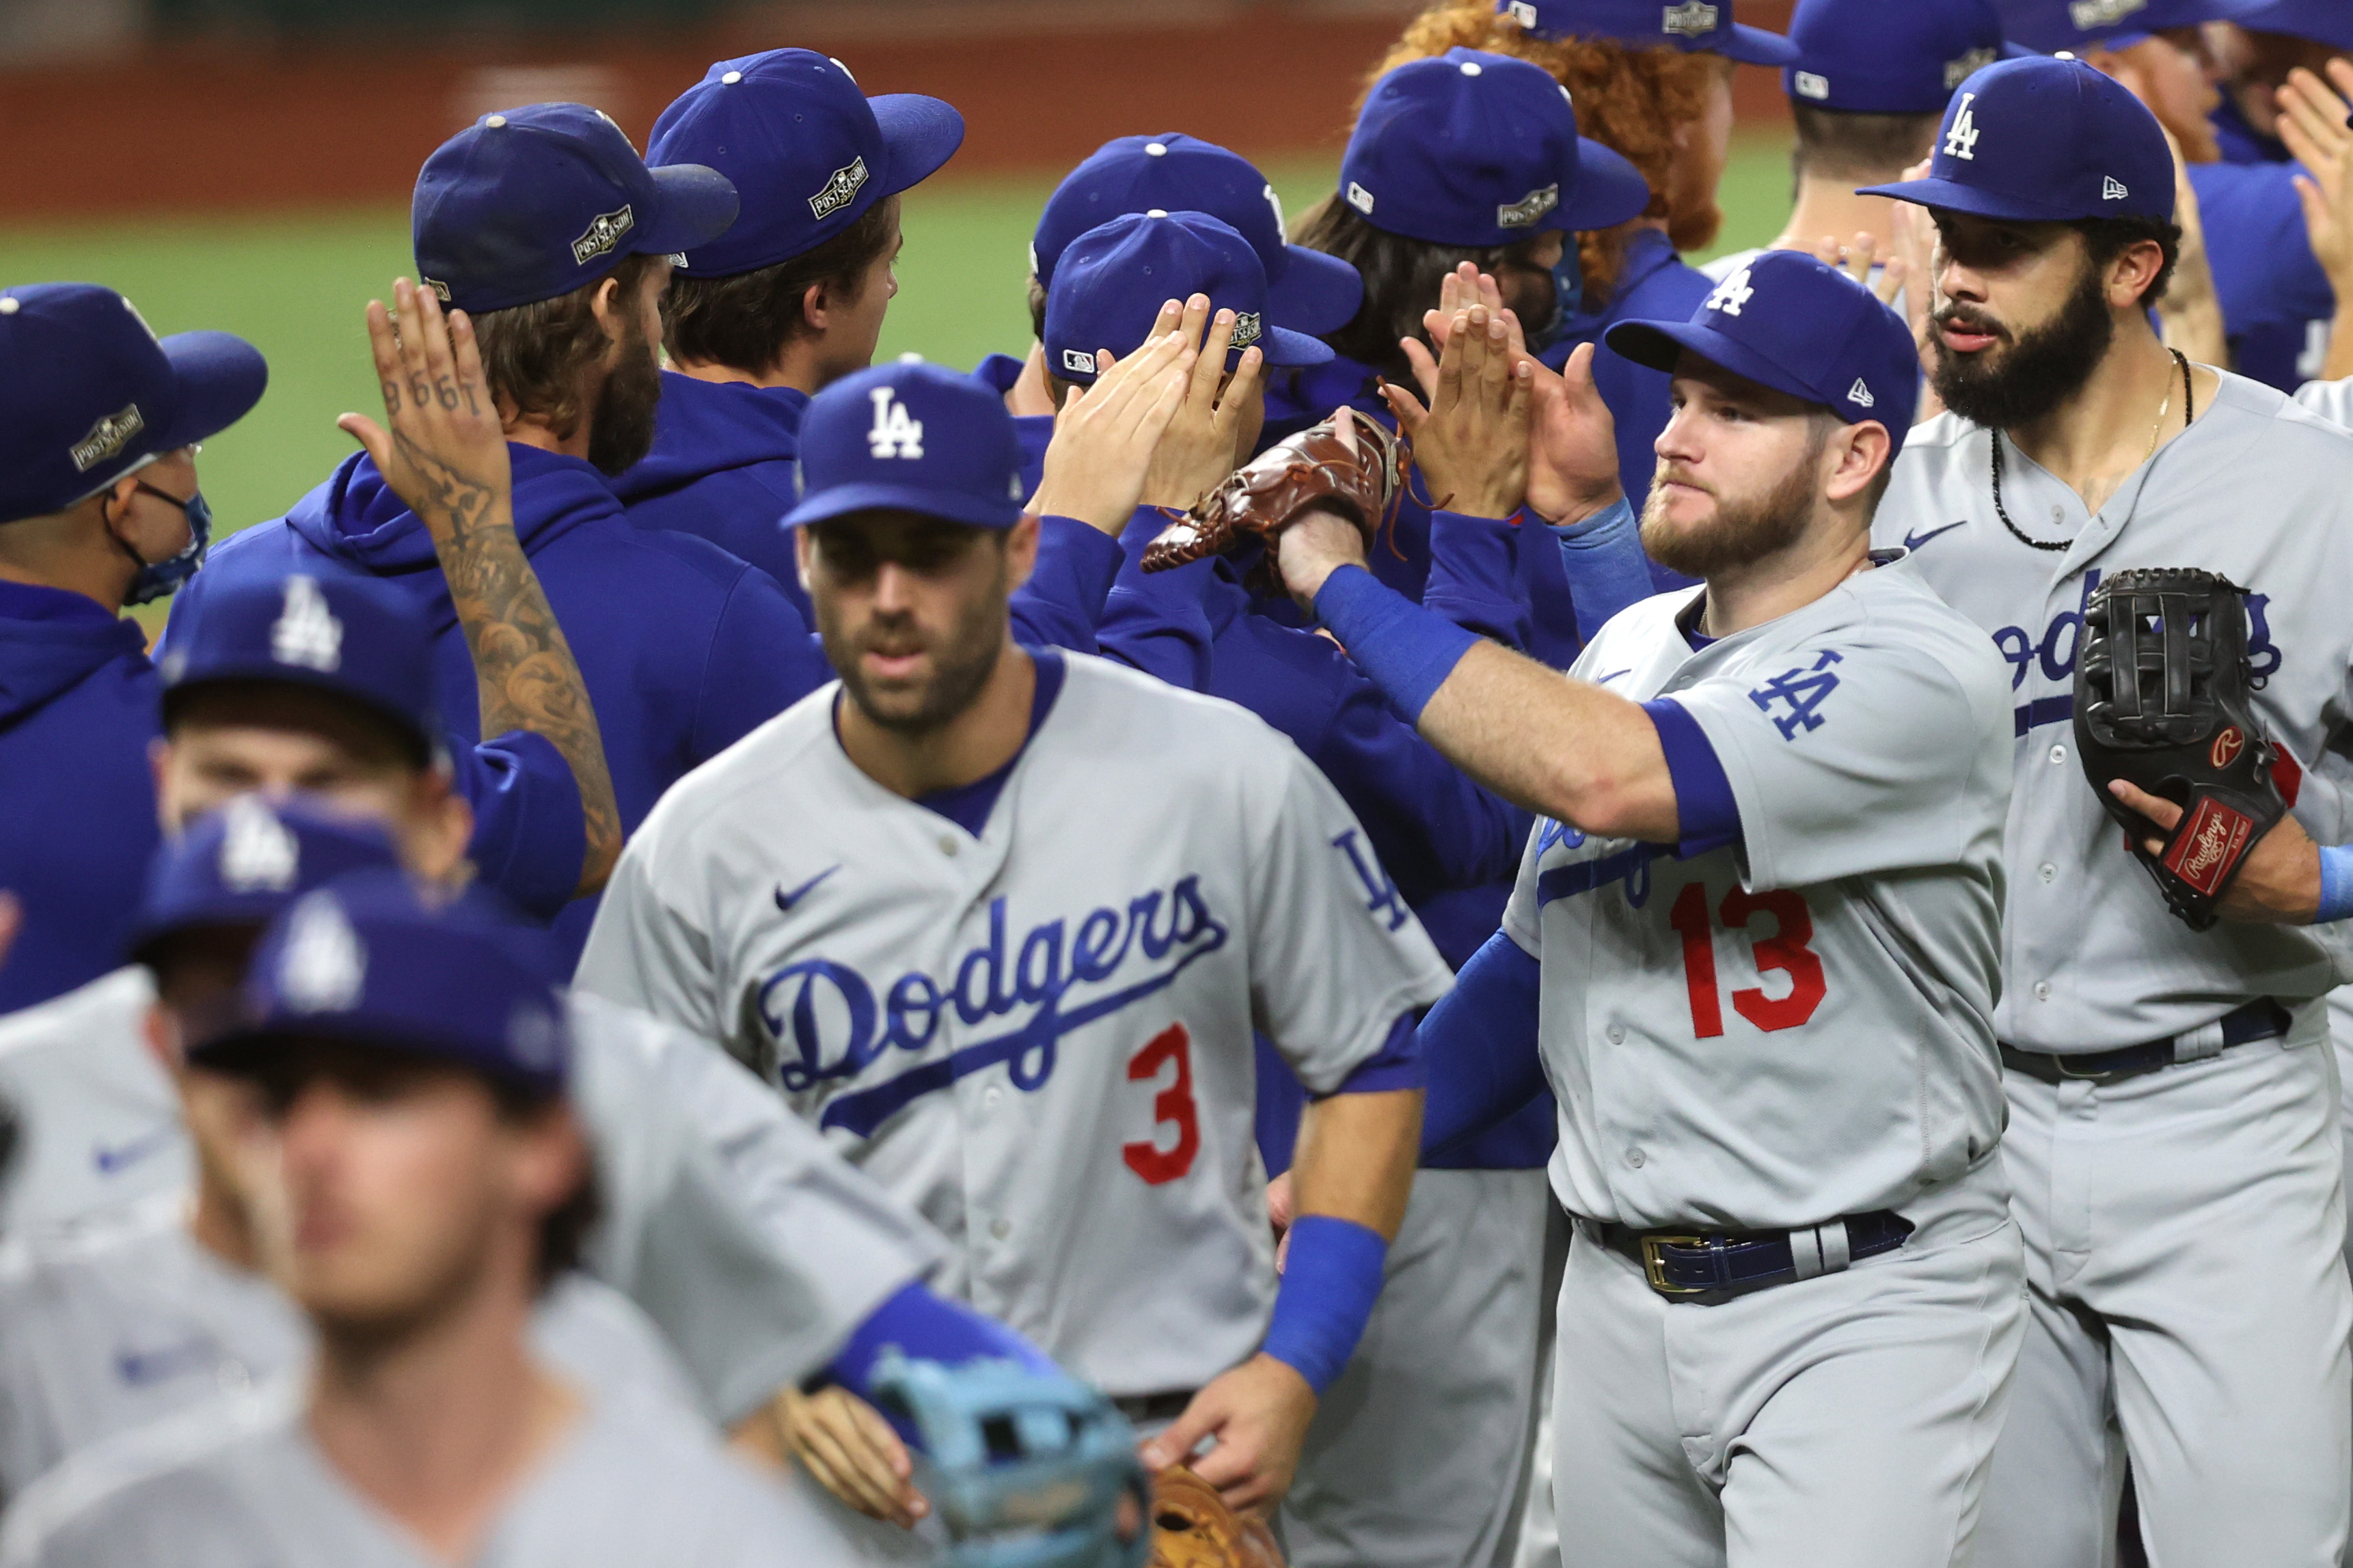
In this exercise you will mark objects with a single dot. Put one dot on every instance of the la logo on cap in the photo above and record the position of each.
(257, 855)
(306, 632)
(896, 433)
(323, 965)
(1692, 20)
(1961, 140)
(1731, 293)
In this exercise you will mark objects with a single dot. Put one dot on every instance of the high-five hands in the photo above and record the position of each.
(1203, 441)
(1105, 435)
(1471, 442)
(446, 453)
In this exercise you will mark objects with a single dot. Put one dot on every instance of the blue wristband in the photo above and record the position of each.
(1402, 648)
(2335, 883)
(1329, 1285)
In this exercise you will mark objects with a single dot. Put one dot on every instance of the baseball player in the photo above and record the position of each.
(1653, 82)
(1013, 972)
(408, 1061)
(2173, 1117)
(2257, 52)
(690, 648)
(1788, 1321)
(1866, 93)
(790, 297)
(99, 420)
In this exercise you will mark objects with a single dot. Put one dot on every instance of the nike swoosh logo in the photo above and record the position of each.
(145, 1368)
(123, 1156)
(1614, 674)
(786, 901)
(1915, 541)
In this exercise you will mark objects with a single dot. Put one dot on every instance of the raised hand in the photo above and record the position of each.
(1858, 257)
(2312, 124)
(1471, 442)
(1200, 446)
(446, 456)
(1105, 436)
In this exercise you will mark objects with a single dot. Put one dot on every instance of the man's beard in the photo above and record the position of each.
(1741, 533)
(621, 430)
(961, 664)
(2036, 373)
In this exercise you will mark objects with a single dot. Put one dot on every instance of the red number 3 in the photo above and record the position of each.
(1785, 950)
(1173, 1104)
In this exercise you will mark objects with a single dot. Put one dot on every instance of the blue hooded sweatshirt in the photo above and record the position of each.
(2277, 303)
(724, 467)
(684, 648)
(78, 707)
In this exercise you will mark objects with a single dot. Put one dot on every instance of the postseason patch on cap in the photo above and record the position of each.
(1247, 328)
(603, 232)
(107, 438)
(1959, 70)
(2089, 14)
(1528, 208)
(840, 190)
(1692, 20)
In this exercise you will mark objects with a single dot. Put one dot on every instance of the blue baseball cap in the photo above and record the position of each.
(88, 392)
(909, 438)
(241, 865)
(2046, 141)
(1305, 289)
(351, 635)
(377, 959)
(809, 151)
(1787, 321)
(531, 204)
(1868, 57)
(1691, 25)
(1114, 279)
(2051, 25)
(2327, 22)
(1475, 149)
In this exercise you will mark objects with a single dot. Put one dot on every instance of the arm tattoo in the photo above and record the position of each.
(525, 676)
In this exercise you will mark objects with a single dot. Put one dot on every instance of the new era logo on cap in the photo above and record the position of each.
(1860, 395)
(1692, 20)
(896, 433)
(306, 632)
(603, 232)
(1731, 293)
(107, 438)
(840, 190)
(2113, 189)
(1528, 208)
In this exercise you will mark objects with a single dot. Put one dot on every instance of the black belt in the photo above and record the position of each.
(1153, 1409)
(2263, 1019)
(1707, 1268)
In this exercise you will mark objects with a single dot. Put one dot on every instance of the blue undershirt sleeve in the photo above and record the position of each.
(1397, 1065)
(530, 836)
(1479, 1045)
(1607, 569)
(1706, 812)
(1062, 603)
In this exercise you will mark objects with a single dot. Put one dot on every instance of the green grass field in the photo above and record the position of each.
(297, 285)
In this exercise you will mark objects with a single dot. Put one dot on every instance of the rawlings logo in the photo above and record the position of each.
(839, 190)
(1528, 208)
(830, 1025)
(107, 438)
(2227, 745)
(2209, 845)
(603, 233)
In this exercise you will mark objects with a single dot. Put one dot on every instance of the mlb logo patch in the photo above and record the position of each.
(1078, 361)
(1809, 85)
(1521, 12)
(1360, 199)
(1528, 208)
(107, 438)
(603, 233)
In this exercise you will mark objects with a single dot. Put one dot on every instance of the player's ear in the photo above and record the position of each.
(1859, 453)
(813, 306)
(440, 825)
(1021, 550)
(168, 804)
(803, 547)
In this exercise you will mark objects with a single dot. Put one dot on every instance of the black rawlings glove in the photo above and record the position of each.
(2162, 702)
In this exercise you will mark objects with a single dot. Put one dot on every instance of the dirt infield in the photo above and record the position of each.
(216, 128)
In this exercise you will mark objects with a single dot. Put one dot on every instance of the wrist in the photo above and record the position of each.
(1581, 508)
(2331, 883)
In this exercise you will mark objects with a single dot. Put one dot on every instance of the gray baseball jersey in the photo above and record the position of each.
(123, 1321)
(754, 1246)
(1771, 1033)
(2256, 491)
(1039, 1036)
(240, 1484)
(2146, 1205)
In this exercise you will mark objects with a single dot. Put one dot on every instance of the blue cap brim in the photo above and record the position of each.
(427, 735)
(698, 205)
(1755, 46)
(1954, 197)
(1609, 189)
(1282, 346)
(922, 132)
(1317, 293)
(221, 377)
(973, 511)
(1659, 345)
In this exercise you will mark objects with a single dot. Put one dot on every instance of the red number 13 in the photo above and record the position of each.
(1174, 1105)
(1785, 950)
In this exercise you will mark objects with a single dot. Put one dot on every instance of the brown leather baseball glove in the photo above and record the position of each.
(1193, 1527)
(1348, 462)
